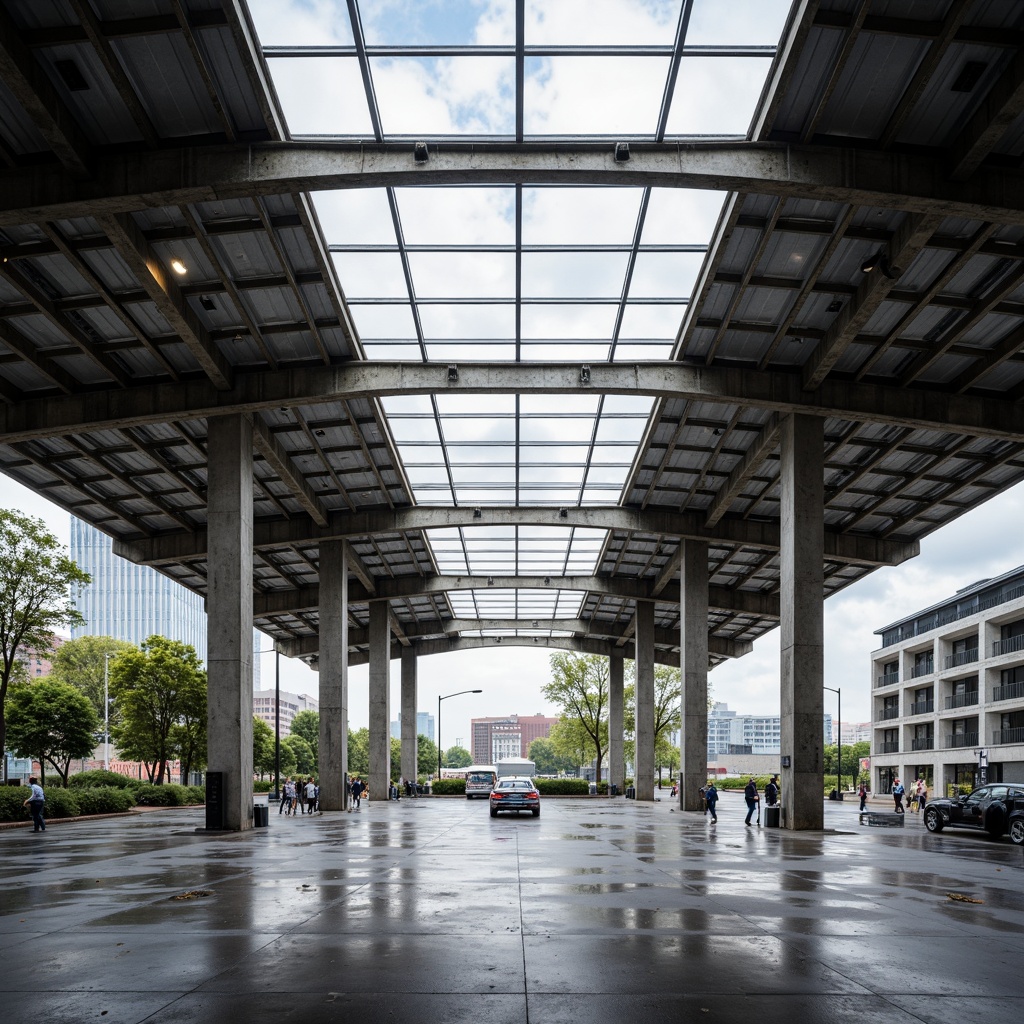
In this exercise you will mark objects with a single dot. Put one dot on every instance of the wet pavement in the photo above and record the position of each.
(599, 911)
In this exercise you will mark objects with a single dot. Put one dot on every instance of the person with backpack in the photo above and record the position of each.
(771, 791)
(356, 789)
(711, 799)
(287, 797)
(753, 799)
(863, 794)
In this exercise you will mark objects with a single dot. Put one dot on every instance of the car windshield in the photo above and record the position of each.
(515, 785)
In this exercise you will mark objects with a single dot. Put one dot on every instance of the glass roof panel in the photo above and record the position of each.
(601, 22)
(602, 96)
(470, 274)
(681, 215)
(716, 95)
(580, 216)
(656, 322)
(384, 322)
(320, 23)
(574, 274)
(476, 405)
(547, 322)
(322, 95)
(738, 22)
(371, 275)
(470, 321)
(359, 216)
(665, 275)
(435, 96)
(453, 22)
(457, 216)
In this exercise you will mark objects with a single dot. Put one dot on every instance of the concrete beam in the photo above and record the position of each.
(281, 463)
(253, 392)
(307, 599)
(206, 174)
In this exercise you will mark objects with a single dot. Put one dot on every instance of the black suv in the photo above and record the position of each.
(995, 809)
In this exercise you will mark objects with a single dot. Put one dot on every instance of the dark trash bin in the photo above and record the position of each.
(631, 792)
(613, 789)
(260, 815)
(773, 817)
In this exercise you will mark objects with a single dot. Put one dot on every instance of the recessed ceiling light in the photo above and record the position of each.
(178, 266)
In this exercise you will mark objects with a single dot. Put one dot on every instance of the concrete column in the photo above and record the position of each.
(616, 719)
(801, 558)
(380, 703)
(693, 646)
(409, 745)
(644, 700)
(333, 674)
(229, 613)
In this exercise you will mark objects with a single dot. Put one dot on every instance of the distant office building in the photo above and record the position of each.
(37, 663)
(133, 602)
(424, 726)
(496, 739)
(730, 733)
(855, 732)
(263, 706)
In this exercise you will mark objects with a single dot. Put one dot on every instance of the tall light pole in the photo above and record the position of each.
(277, 721)
(439, 699)
(106, 712)
(839, 739)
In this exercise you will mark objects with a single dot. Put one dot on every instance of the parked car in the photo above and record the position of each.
(515, 793)
(995, 809)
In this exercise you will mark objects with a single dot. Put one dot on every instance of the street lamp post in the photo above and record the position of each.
(439, 699)
(106, 713)
(276, 796)
(839, 739)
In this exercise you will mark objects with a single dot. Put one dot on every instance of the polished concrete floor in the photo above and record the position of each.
(428, 910)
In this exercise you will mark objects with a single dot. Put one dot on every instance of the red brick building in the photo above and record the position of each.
(495, 739)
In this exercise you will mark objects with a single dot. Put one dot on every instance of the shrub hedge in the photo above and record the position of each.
(104, 800)
(259, 786)
(99, 777)
(448, 787)
(170, 794)
(562, 787)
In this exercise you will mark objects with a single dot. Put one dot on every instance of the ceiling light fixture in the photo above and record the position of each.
(178, 266)
(207, 303)
(547, 580)
(563, 513)
(420, 153)
(477, 514)
(621, 152)
(490, 581)
(320, 433)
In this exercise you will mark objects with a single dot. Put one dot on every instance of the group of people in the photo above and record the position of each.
(917, 796)
(300, 797)
(750, 795)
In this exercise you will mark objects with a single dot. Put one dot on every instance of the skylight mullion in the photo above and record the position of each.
(364, 67)
(630, 265)
(543, 50)
(673, 70)
(520, 68)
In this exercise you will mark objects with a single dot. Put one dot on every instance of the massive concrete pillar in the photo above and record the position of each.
(644, 700)
(693, 646)
(333, 665)
(616, 722)
(409, 742)
(229, 613)
(801, 558)
(380, 702)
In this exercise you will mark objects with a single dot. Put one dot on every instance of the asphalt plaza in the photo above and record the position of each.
(600, 910)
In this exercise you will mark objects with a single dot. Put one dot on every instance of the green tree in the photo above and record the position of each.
(359, 752)
(51, 721)
(155, 689)
(81, 663)
(579, 687)
(305, 763)
(307, 725)
(572, 743)
(457, 757)
(395, 766)
(667, 693)
(263, 749)
(666, 755)
(37, 583)
(548, 761)
(852, 753)
(426, 755)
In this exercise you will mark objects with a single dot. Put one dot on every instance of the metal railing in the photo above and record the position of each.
(1008, 736)
(1010, 691)
(961, 658)
(887, 679)
(888, 713)
(923, 743)
(1009, 645)
(972, 607)
(890, 748)
(962, 700)
(961, 739)
(926, 707)
(926, 668)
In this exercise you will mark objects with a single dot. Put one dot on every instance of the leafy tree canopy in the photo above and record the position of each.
(579, 687)
(51, 721)
(457, 757)
(307, 725)
(426, 755)
(81, 663)
(359, 752)
(305, 764)
(548, 761)
(263, 748)
(37, 585)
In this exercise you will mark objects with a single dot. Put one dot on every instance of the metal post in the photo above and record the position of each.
(439, 699)
(106, 713)
(277, 726)
(839, 738)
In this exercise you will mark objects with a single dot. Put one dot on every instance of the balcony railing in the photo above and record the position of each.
(890, 748)
(1009, 645)
(962, 700)
(961, 658)
(925, 707)
(1008, 736)
(888, 713)
(1011, 691)
(962, 739)
(926, 668)
(923, 743)
(954, 614)
(887, 679)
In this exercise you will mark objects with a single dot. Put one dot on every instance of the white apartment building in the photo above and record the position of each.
(263, 705)
(731, 733)
(948, 690)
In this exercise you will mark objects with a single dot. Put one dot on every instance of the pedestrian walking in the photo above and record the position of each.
(286, 800)
(289, 796)
(771, 791)
(753, 799)
(922, 794)
(356, 789)
(300, 796)
(897, 796)
(35, 802)
(863, 794)
(310, 796)
(711, 799)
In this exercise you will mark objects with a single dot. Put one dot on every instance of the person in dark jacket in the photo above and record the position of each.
(752, 797)
(771, 791)
(711, 799)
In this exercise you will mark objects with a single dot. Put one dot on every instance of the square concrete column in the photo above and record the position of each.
(693, 646)
(333, 667)
(229, 613)
(380, 700)
(616, 722)
(644, 700)
(801, 558)
(410, 747)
